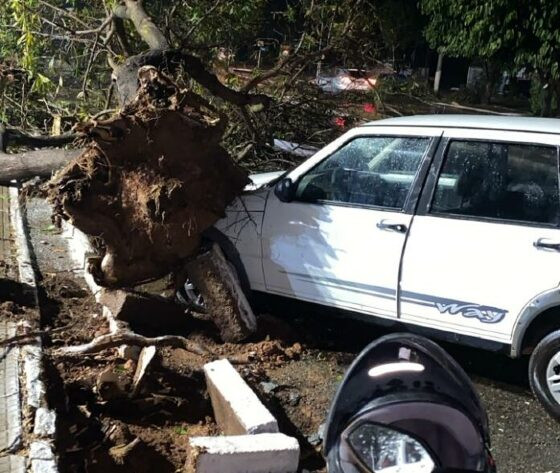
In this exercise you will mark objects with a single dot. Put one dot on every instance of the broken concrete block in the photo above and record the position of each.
(262, 453)
(32, 369)
(147, 309)
(45, 422)
(237, 408)
(42, 458)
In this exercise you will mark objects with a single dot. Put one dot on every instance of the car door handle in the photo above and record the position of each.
(393, 227)
(546, 244)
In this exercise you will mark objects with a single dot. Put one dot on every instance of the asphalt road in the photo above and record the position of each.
(525, 439)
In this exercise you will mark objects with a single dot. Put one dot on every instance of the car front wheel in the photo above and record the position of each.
(544, 373)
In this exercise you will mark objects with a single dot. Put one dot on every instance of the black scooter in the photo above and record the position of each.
(405, 406)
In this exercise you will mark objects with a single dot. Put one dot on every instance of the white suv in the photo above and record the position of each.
(446, 224)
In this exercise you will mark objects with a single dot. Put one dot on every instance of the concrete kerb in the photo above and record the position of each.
(260, 453)
(80, 250)
(35, 405)
(237, 409)
(252, 443)
(10, 403)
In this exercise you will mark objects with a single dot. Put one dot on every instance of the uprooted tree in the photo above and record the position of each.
(146, 182)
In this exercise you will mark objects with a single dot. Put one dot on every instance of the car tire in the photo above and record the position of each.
(544, 373)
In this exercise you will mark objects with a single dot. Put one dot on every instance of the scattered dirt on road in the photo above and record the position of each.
(103, 427)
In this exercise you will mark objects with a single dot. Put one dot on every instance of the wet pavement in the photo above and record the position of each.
(524, 437)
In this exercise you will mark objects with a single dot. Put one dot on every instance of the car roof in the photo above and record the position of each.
(486, 122)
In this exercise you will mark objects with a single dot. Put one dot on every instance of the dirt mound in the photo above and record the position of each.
(152, 179)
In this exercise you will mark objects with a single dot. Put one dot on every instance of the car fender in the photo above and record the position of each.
(536, 306)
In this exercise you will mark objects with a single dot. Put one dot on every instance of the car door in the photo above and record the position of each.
(340, 241)
(482, 245)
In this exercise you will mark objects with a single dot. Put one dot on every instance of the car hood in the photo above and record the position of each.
(261, 179)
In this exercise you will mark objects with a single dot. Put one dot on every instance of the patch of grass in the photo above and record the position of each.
(181, 430)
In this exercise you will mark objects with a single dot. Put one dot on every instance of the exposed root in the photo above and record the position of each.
(153, 178)
(126, 337)
(25, 338)
(120, 452)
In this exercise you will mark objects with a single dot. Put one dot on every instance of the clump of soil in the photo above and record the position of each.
(153, 178)
(17, 300)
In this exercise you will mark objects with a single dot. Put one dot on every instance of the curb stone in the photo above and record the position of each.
(10, 407)
(40, 456)
(252, 443)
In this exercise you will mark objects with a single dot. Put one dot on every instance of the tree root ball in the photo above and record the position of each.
(152, 179)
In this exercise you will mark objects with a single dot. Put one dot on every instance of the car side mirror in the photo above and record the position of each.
(285, 190)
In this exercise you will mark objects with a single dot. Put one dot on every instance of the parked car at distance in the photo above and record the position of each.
(347, 80)
(446, 225)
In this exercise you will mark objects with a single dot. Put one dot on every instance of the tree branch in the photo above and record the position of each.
(64, 12)
(14, 137)
(118, 25)
(133, 10)
(127, 80)
(289, 60)
(26, 165)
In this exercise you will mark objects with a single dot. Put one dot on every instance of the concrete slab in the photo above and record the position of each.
(45, 422)
(262, 453)
(10, 407)
(25, 264)
(237, 409)
(42, 458)
(12, 464)
(32, 368)
(6, 241)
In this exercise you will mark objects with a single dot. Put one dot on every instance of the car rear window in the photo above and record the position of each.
(506, 181)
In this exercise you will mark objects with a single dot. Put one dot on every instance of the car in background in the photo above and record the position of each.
(347, 80)
(448, 225)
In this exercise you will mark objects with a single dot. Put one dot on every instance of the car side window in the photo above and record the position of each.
(505, 181)
(377, 171)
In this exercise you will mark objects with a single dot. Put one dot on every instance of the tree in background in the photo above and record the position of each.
(485, 31)
(538, 48)
(400, 27)
(504, 35)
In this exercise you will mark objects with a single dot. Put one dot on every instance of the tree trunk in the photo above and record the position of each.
(437, 78)
(547, 102)
(558, 98)
(133, 10)
(27, 165)
(492, 75)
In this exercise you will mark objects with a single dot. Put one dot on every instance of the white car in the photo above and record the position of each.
(447, 224)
